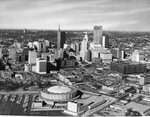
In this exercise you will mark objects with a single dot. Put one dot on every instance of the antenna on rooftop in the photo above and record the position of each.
(59, 27)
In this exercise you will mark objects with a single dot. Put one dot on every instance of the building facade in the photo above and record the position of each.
(97, 34)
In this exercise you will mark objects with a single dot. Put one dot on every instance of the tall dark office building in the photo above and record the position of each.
(97, 34)
(105, 42)
(61, 38)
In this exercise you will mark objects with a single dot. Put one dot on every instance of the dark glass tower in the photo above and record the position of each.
(61, 38)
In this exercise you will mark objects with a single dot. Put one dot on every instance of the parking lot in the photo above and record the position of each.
(20, 104)
(111, 112)
(14, 104)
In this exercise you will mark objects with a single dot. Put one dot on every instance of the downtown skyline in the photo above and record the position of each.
(114, 15)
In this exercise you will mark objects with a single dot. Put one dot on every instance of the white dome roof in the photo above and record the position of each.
(59, 89)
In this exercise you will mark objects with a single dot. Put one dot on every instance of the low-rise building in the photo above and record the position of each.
(6, 74)
(146, 88)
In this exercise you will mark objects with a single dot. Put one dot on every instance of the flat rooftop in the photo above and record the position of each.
(138, 107)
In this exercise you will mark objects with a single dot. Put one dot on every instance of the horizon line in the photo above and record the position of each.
(68, 29)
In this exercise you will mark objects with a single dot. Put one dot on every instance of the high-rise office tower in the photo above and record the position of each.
(105, 41)
(61, 37)
(41, 66)
(84, 46)
(88, 55)
(32, 57)
(97, 34)
(1, 54)
(77, 46)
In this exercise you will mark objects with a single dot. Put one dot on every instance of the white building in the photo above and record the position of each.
(144, 80)
(32, 57)
(95, 54)
(47, 43)
(27, 67)
(74, 108)
(51, 57)
(73, 46)
(44, 55)
(146, 88)
(106, 56)
(30, 44)
(84, 47)
(41, 65)
(65, 45)
(137, 56)
(12, 53)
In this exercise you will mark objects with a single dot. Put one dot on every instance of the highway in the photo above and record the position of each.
(98, 108)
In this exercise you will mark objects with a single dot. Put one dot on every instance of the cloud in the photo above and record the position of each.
(112, 14)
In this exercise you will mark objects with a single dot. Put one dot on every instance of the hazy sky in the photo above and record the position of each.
(132, 15)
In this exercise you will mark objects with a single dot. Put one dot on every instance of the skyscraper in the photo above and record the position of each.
(88, 55)
(105, 41)
(97, 34)
(32, 57)
(84, 46)
(1, 54)
(61, 38)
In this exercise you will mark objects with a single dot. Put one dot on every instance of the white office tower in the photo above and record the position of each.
(137, 56)
(32, 57)
(30, 44)
(37, 44)
(73, 46)
(65, 45)
(47, 43)
(61, 53)
(41, 65)
(12, 52)
(84, 47)
(1, 54)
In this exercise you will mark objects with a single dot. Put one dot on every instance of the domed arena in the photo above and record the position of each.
(58, 93)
